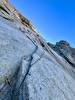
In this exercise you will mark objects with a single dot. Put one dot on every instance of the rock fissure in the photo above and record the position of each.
(29, 68)
(22, 77)
(25, 69)
(60, 60)
(1, 8)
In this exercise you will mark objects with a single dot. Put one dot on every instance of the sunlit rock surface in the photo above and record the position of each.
(29, 68)
(8, 12)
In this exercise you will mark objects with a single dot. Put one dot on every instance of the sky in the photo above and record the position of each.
(54, 19)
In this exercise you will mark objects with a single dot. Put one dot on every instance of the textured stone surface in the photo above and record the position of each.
(64, 49)
(8, 12)
(29, 68)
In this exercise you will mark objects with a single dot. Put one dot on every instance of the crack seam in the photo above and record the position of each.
(14, 98)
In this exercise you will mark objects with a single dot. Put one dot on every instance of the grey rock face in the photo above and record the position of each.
(30, 69)
(64, 49)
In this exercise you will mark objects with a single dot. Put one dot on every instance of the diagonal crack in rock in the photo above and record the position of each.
(24, 70)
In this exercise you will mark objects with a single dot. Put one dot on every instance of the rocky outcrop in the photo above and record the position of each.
(29, 68)
(64, 49)
(8, 12)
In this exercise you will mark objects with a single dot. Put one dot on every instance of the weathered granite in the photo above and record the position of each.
(64, 49)
(8, 12)
(29, 68)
